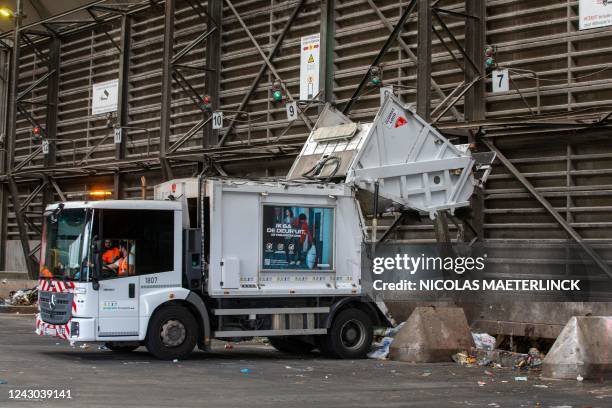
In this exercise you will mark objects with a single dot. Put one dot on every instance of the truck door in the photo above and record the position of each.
(119, 290)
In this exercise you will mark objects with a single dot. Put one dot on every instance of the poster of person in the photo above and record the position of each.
(298, 238)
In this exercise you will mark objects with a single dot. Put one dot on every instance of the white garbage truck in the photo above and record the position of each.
(228, 258)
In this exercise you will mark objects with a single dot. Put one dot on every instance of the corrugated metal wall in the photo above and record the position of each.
(571, 168)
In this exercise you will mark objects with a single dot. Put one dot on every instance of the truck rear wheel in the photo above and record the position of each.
(291, 344)
(172, 333)
(350, 335)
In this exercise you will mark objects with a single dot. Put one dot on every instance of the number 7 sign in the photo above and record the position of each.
(501, 80)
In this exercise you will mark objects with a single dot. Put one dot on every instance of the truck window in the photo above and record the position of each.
(150, 234)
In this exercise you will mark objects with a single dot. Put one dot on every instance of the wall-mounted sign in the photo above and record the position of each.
(309, 66)
(105, 96)
(217, 120)
(292, 110)
(118, 135)
(297, 238)
(501, 80)
(595, 13)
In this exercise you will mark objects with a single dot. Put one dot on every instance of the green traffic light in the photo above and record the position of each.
(490, 62)
(278, 96)
(375, 81)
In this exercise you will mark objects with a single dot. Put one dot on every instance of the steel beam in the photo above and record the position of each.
(262, 70)
(556, 215)
(383, 50)
(51, 115)
(328, 41)
(123, 100)
(424, 60)
(11, 142)
(166, 99)
(212, 83)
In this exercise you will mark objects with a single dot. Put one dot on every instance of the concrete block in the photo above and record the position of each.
(432, 334)
(584, 348)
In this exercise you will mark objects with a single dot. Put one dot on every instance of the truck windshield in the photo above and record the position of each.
(64, 243)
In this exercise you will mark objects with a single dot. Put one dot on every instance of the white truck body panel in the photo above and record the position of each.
(236, 238)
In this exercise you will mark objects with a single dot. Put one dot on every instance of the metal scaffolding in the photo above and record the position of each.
(231, 51)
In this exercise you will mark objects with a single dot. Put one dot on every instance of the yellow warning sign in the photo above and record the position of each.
(311, 59)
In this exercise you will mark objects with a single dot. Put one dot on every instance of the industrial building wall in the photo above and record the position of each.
(571, 168)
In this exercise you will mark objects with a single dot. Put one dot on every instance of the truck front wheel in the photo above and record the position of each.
(350, 335)
(172, 333)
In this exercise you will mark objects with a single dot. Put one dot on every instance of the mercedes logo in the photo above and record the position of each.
(52, 302)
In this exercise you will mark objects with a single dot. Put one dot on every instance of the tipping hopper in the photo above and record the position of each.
(410, 161)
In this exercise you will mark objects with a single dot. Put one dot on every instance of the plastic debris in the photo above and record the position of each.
(228, 346)
(426, 374)
(381, 349)
(540, 386)
(175, 360)
(84, 346)
(481, 383)
(484, 341)
(520, 378)
(487, 372)
(23, 297)
(103, 347)
(383, 337)
(579, 378)
(245, 370)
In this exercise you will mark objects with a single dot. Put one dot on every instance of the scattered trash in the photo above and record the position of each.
(464, 358)
(484, 341)
(299, 369)
(494, 404)
(381, 349)
(520, 378)
(426, 374)
(23, 297)
(579, 378)
(245, 370)
(175, 360)
(84, 346)
(228, 346)
(487, 372)
(481, 383)
(4, 281)
(540, 386)
(103, 347)
(383, 337)
(72, 343)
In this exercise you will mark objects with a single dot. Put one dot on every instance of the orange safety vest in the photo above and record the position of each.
(123, 267)
(45, 273)
(110, 255)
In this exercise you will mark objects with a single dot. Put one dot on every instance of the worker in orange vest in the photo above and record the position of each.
(110, 255)
(126, 262)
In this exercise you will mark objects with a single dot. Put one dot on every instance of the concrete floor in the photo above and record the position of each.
(100, 378)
